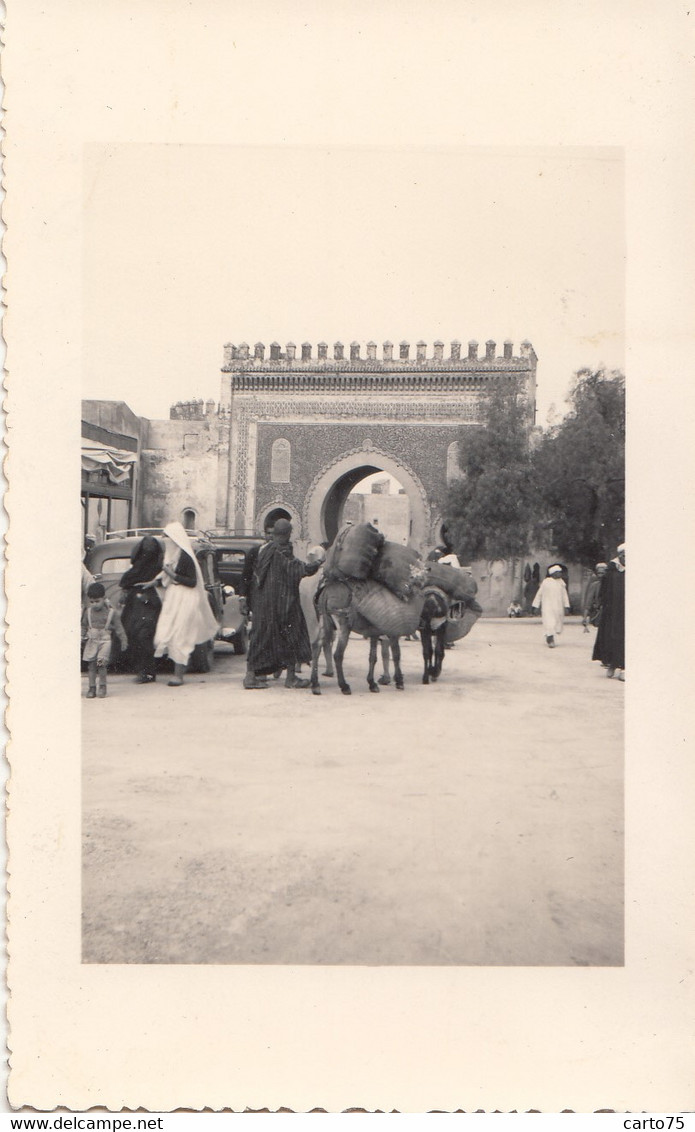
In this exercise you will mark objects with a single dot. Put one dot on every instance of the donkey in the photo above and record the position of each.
(433, 624)
(334, 609)
(320, 637)
(356, 622)
(440, 613)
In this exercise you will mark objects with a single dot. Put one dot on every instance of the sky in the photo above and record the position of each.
(189, 247)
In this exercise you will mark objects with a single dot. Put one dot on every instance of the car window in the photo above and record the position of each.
(232, 558)
(115, 566)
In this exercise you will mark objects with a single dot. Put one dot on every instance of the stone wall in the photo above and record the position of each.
(115, 416)
(179, 471)
(501, 582)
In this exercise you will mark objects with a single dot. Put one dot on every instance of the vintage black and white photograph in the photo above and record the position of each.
(335, 789)
(353, 556)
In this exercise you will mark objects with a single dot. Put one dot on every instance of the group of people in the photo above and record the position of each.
(603, 606)
(163, 610)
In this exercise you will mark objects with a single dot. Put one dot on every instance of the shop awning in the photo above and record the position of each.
(115, 461)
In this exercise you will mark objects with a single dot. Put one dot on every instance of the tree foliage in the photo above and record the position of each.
(567, 490)
(580, 467)
(490, 509)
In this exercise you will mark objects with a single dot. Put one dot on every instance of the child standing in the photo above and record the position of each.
(99, 621)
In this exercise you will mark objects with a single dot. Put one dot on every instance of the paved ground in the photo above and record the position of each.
(474, 821)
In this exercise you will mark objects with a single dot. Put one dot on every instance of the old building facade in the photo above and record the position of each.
(295, 432)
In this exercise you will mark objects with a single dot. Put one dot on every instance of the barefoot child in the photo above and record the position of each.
(99, 621)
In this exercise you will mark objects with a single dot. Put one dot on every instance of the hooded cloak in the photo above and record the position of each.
(142, 606)
(609, 646)
(279, 636)
(146, 562)
(186, 619)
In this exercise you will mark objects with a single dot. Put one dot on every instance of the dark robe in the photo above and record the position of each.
(590, 605)
(246, 581)
(609, 646)
(532, 580)
(142, 607)
(279, 637)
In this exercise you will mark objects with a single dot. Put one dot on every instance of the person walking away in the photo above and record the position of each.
(279, 638)
(609, 646)
(553, 601)
(99, 621)
(186, 619)
(142, 606)
(590, 603)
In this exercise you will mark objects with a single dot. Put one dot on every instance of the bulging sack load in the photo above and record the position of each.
(462, 617)
(400, 568)
(354, 552)
(389, 614)
(459, 585)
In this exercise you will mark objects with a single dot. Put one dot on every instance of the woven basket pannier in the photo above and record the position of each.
(391, 616)
(461, 620)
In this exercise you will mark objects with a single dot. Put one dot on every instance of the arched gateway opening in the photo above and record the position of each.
(328, 496)
(275, 514)
(368, 495)
(333, 510)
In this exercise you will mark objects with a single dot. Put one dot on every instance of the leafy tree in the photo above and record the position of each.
(580, 470)
(490, 509)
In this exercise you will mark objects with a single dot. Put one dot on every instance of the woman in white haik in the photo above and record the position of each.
(552, 599)
(186, 619)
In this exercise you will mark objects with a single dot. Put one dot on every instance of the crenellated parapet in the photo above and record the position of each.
(244, 357)
(397, 369)
(193, 410)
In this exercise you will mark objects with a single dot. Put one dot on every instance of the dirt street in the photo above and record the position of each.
(474, 821)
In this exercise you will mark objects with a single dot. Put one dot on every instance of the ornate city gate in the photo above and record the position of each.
(296, 434)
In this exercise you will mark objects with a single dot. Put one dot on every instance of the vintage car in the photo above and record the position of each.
(230, 552)
(107, 561)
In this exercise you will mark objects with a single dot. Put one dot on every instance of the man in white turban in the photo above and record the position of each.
(553, 601)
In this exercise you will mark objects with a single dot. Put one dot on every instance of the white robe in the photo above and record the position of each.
(552, 599)
(186, 619)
